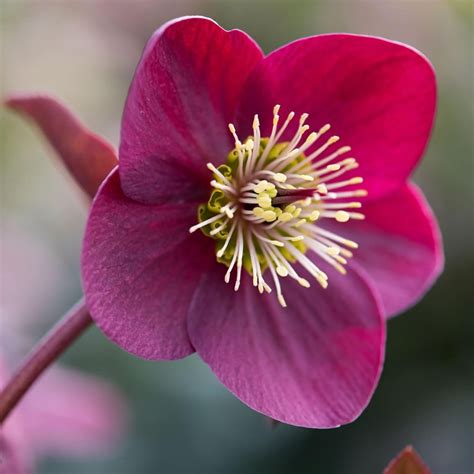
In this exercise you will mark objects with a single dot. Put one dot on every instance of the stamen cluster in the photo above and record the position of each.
(268, 200)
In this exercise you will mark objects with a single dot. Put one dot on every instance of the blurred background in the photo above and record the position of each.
(181, 419)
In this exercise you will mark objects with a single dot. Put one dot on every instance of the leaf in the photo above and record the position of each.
(88, 157)
(407, 462)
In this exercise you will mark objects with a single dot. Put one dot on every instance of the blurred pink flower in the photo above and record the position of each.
(66, 413)
(32, 273)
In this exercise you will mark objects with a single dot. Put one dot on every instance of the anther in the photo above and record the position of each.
(280, 177)
(342, 216)
(282, 271)
(322, 188)
(304, 283)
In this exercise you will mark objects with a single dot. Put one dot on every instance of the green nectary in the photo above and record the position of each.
(218, 199)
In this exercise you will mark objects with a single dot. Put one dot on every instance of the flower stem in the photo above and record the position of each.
(56, 341)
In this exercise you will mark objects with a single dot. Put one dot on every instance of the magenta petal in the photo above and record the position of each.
(314, 364)
(140, 268)
(400, 247)
(379, 96)
(184, 94)
(88, 157)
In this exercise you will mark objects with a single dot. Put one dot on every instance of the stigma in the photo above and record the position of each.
(269, 201)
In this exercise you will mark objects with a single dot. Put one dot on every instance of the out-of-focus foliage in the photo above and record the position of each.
(407, 462)
(85, 52)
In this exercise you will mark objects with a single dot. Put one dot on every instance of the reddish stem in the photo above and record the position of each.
(58, 339)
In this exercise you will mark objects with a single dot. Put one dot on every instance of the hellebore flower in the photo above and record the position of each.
(240, 149)
(44, 423)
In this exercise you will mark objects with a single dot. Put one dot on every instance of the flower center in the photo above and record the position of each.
(268, 200)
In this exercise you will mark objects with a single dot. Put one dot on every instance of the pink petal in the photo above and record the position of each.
(379, 96)
(140, 267)
(70, 413)
(314, 364)
(182, 97)
(88, 157)
(400, 247)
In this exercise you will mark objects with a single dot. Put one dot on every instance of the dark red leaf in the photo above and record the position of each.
(407, 462)
(88, 157)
